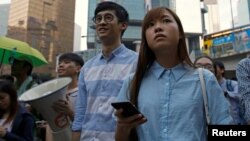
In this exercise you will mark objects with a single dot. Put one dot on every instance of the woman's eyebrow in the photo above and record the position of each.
(165, 16)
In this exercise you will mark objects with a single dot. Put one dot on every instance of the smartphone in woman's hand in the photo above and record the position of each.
(128, 108)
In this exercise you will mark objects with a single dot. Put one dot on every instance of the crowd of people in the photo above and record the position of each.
(161, 81)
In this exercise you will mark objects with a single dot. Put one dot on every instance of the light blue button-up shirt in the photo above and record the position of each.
(171, 100)
(99, 83)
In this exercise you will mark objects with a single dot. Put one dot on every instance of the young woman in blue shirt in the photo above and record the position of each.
(166, 87)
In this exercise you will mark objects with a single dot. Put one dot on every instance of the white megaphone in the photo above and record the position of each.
(42, 98)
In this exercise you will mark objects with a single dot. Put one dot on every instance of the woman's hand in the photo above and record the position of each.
(2, 132)
(126, 124)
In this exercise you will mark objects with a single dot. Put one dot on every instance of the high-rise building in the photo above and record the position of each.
(227, 23)
(212, 18)
(243, 12)
(137, 10)
(226, 14)
(4, 10)
(47, 25)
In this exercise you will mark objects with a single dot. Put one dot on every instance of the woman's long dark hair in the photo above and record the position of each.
(147, 56)
(8, 88)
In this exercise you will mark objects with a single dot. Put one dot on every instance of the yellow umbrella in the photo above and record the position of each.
(21, 50)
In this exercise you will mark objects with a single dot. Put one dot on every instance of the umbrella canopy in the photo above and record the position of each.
(18, 49)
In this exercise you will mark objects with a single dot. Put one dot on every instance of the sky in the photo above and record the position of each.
(81, 17)
(4, 1)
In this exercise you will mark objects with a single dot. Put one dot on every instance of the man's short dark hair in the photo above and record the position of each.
(28, 64)
(220, 65)
(72, 57)
(120, 11)
(25, 64)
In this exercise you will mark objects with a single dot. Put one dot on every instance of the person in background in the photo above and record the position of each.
(243, 77)
(21, 69)
(7, 77)
(205, 62)
(69, 65)
(166, 87)
(102, 76)
(16, 124)
(230, 88)
(36, 78)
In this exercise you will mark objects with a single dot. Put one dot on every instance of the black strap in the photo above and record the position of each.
(229, 85)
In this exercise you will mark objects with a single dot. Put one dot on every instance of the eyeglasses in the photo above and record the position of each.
(205, 66)
(107, 18)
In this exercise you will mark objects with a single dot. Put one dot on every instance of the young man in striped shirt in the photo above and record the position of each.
(101, 78)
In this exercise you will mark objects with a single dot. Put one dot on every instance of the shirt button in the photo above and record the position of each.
(165, 130)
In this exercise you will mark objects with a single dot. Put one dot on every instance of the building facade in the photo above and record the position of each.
(211, 17)
(4, 10)
(132, 36)
(230, 17)
(243, 12)
(47, 25)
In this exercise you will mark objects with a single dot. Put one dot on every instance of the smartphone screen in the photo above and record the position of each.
(128, 108)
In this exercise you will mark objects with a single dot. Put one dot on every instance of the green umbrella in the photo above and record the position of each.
(21, 50)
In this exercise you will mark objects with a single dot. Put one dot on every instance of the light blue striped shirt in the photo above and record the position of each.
(243, 76)
(172, 102)
(99, 83)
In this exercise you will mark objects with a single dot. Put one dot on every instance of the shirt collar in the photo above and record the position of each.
(24, 85)
(157, 69)
(222, 81)
(178, 71)
(114, 53)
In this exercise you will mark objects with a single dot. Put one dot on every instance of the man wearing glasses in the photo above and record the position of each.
(229, 87)
(205, 62)
(101, 77)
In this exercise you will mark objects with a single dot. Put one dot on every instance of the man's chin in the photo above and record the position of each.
(62, 75)
(103, 36)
